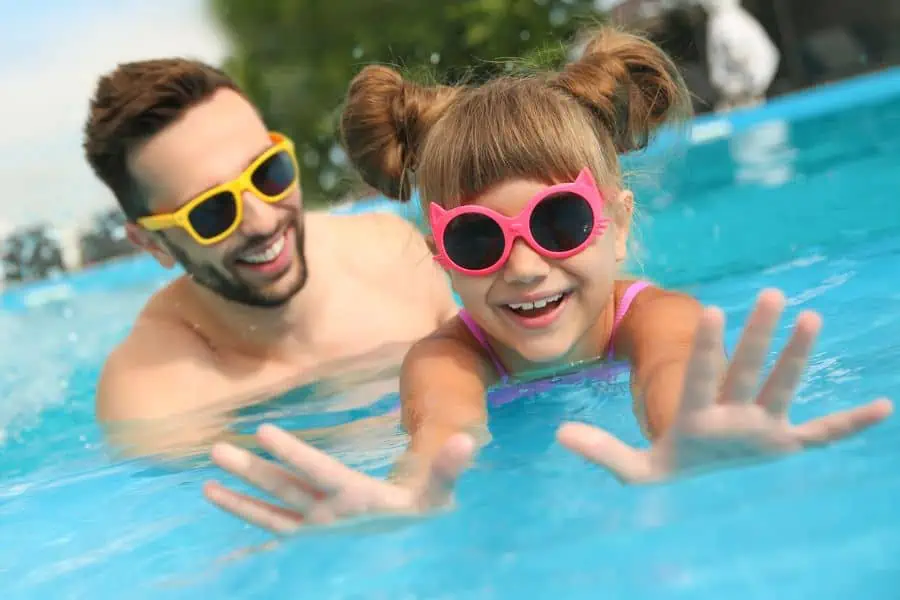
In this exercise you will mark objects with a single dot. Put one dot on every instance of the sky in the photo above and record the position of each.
(51, 54)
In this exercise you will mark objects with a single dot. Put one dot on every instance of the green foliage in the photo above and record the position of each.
(295, 58)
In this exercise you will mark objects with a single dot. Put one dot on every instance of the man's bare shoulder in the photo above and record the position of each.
(390, 252)
(161, 359)
(381, 234)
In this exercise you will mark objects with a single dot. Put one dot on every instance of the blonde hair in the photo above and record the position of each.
(460, 141)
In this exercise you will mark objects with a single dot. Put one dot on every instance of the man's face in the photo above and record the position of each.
(262, 263)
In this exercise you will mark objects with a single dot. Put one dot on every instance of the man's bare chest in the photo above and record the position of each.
(352, 341)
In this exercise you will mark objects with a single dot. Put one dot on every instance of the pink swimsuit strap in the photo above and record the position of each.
(627, 298)
(478, 334)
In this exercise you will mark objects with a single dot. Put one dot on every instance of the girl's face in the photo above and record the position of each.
(542, 310)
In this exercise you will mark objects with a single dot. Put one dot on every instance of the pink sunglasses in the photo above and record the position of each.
(557, 223)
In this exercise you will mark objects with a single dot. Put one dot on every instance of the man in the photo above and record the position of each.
(273, 295)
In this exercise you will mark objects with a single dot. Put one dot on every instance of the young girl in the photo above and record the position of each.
(521, 184)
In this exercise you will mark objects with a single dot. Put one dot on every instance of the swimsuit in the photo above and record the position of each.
(605, 371)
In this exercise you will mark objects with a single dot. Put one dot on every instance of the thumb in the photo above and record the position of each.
(452, 460)
(605, 450)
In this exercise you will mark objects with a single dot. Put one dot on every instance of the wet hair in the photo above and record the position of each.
(461, 141)
(133, 103)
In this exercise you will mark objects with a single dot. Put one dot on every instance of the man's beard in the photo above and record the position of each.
(231, 287)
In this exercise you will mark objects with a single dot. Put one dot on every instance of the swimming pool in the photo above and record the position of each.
(799, 195)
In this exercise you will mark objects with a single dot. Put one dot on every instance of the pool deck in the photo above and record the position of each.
(805, 104)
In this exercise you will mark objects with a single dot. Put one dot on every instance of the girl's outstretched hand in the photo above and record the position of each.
(720, 423)
(317, 489)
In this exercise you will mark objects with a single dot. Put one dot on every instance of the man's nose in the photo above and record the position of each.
(260, 218)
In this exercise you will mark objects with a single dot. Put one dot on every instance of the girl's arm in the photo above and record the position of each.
(701, 411)
(442, 392)
(443, 382)
(656, 335)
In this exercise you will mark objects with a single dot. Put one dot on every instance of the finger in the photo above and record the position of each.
(263, 474)
(701, 379)
(743, 375)
(322, 472)
(252, 510)
(781, 384)
(605, 450)
(453, 459)
(840, 425)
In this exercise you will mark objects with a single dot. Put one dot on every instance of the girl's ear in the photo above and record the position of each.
(429, 241)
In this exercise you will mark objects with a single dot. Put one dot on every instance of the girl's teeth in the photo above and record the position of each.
(536, 304)
(269, 254)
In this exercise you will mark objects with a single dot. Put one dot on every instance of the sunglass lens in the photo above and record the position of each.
(473, 241)
(562, 222)
(274, 175)
(214, 215)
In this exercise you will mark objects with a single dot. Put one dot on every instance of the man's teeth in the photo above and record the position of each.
(536, 304)
(269, 254)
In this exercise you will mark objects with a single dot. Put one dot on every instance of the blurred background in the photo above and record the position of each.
(295, 58)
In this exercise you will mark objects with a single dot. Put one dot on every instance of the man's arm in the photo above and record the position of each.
(161, 395)
(158, 393)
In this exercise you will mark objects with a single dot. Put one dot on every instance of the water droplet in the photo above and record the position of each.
(311, 158)
(327, 180)
(337, 156)
(558, 16)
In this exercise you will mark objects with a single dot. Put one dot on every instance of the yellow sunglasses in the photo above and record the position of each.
(216, 213)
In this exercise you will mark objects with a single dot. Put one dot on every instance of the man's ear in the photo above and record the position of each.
(623, 213)
(142, 238)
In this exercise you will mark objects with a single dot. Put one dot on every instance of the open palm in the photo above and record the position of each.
(316, 489)
(736, 421)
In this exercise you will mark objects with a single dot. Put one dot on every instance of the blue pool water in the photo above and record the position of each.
(798, 195)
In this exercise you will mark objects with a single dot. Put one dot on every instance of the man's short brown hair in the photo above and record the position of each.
(133, 103)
